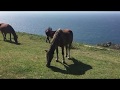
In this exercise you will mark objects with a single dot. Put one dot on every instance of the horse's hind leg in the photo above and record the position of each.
(57, 54)
(69, 51)
(4, 36)
(10, 37)
(66, 50)
(63, 55)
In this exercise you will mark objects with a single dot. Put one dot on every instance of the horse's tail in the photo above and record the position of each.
(71, 39)
(71, 33)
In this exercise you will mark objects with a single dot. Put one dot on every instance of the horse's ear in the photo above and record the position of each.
(46, 50)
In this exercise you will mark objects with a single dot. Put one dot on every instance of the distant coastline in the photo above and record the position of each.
(88, 27)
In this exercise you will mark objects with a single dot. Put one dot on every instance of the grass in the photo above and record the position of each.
(27, 60)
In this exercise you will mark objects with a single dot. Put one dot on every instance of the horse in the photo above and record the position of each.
(61, 38)
(49, 33)
(6, 28)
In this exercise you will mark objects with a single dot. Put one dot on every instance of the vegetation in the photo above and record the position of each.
(28, 60)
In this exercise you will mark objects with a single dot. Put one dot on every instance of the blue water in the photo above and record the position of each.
(88, 27)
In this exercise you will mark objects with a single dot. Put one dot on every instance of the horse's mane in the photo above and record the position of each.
(56, 35)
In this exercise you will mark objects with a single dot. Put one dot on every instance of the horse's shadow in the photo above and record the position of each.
(78, 68)
(12, 42)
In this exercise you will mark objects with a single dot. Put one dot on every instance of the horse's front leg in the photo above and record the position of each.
(57, 54)
(63, 54)
(47, 39)
(10, 37)
(4, 36)
(66, 50)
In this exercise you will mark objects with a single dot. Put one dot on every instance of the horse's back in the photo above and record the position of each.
(64, 37)
(6, 28)
(68, 35)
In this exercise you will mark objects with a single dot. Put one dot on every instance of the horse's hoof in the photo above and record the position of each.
(57, 61)
(47, 65)
(63, 61)
(68, 57)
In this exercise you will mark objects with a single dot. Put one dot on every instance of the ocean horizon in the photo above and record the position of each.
(89, 27)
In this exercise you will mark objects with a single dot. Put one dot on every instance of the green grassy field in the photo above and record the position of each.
(27, 60)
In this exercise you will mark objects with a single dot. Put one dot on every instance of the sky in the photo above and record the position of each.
(51, 13)
(13, 12)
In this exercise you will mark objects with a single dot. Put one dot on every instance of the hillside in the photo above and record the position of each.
(27, 60)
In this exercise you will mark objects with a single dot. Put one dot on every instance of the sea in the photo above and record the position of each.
(89, 27)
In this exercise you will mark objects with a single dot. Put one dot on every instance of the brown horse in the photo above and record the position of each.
(49, 33)
(61, 38)
(6, 28)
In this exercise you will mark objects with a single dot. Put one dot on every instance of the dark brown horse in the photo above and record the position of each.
(49, 33)
(6, 28)
(61, 38)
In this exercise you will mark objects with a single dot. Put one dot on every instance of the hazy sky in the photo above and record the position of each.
(63, 13)
(13, 12)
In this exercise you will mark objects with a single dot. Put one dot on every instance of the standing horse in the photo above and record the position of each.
(61, 38)
(49, 33)
(6, 28)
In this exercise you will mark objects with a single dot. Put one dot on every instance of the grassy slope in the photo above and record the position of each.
(28, 60)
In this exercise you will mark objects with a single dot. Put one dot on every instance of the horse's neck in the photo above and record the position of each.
(55, 41)
(53, 45)
(52, 48)
(14, 34)
(53, 32)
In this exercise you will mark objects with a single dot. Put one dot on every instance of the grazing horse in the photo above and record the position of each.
(49, 33)
(6, 28)
(61, 38)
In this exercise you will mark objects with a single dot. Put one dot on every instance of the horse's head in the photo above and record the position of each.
(48, 33)
(49, 28)
(49, 57)
(15, 38)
